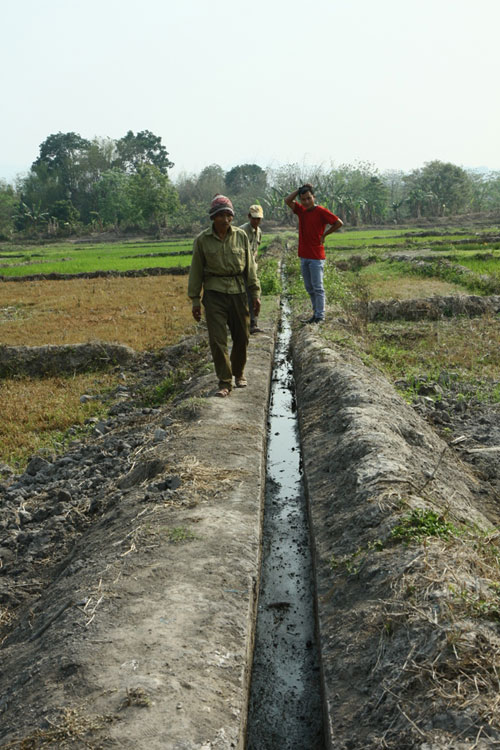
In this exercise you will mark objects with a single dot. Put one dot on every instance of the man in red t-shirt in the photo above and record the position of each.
(315, 223)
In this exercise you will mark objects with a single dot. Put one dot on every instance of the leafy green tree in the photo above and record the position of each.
(111, 200)
(211, 181)
(246, 178)
(396, 193)
(31, 219)
(485, 191)
(195, 194)
(420, 201)
(66, 215)
(93, 164)
(438, 188)
(60, 150)
(8, 208)
(152, 196)
(42, 186)
(143, 148)
(61, 156)
(355, 192)
(492, 202)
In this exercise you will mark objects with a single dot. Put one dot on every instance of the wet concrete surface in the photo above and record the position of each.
(285, 701)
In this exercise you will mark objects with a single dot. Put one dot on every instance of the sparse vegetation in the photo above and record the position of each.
(180, 534)
(420, 524)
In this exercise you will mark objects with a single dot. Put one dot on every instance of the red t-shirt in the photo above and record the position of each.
(311, 227)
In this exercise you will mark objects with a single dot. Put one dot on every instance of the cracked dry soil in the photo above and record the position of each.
(129, 566)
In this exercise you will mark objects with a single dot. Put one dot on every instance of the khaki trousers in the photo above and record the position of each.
(223, 311)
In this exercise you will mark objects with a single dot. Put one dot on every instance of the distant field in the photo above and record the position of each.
(435, 239)
(73, 258)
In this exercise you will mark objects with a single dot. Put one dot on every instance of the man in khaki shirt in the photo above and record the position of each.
(224, 267)
(254, 234)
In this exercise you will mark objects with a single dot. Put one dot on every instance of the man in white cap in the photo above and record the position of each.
(223, 266)
(254, 234)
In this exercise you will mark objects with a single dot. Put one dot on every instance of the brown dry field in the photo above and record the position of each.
(144, 313)
(411, 287)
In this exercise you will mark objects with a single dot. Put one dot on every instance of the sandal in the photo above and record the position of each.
(241, 382)
(223, 392)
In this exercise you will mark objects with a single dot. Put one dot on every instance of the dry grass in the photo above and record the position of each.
(454, 588)
(411, 288)
(70, 728)
(144, 313)
(470, 346)
(36, 413)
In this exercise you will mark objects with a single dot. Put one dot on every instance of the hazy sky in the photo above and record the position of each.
(393, 82)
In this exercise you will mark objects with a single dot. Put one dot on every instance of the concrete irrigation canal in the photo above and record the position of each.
(285, 706)
(130, 611)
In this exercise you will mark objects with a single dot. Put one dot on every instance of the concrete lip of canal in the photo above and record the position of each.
(285, 702)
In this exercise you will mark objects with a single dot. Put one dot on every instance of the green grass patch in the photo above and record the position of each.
(269, 278)
(474, 282)
(386, 237)
(180, 534)
(420, 524)
(71, 258)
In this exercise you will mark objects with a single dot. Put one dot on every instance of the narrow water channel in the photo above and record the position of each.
(285, 701)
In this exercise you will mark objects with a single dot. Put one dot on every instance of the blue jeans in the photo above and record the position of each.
(312, 273)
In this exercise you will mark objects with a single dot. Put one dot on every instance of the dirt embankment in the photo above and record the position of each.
(38, 361)
(155, 271)
(408, 616)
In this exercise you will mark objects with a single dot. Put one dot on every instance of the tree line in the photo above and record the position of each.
(77, 186)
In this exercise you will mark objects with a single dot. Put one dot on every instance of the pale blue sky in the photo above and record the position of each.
(393, 82)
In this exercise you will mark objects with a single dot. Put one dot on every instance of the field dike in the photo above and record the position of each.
(37, 361)
(129, 569)
(406, 661)
(432, 308)
(154, 271)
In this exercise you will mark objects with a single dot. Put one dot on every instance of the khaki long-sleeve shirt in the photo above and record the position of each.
(222, 265)
(254, 237)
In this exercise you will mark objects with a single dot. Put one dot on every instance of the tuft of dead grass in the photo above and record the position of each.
(70, 727)
(455, 649)
(145, 313)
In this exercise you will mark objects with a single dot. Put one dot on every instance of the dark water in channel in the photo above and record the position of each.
(285, 702)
